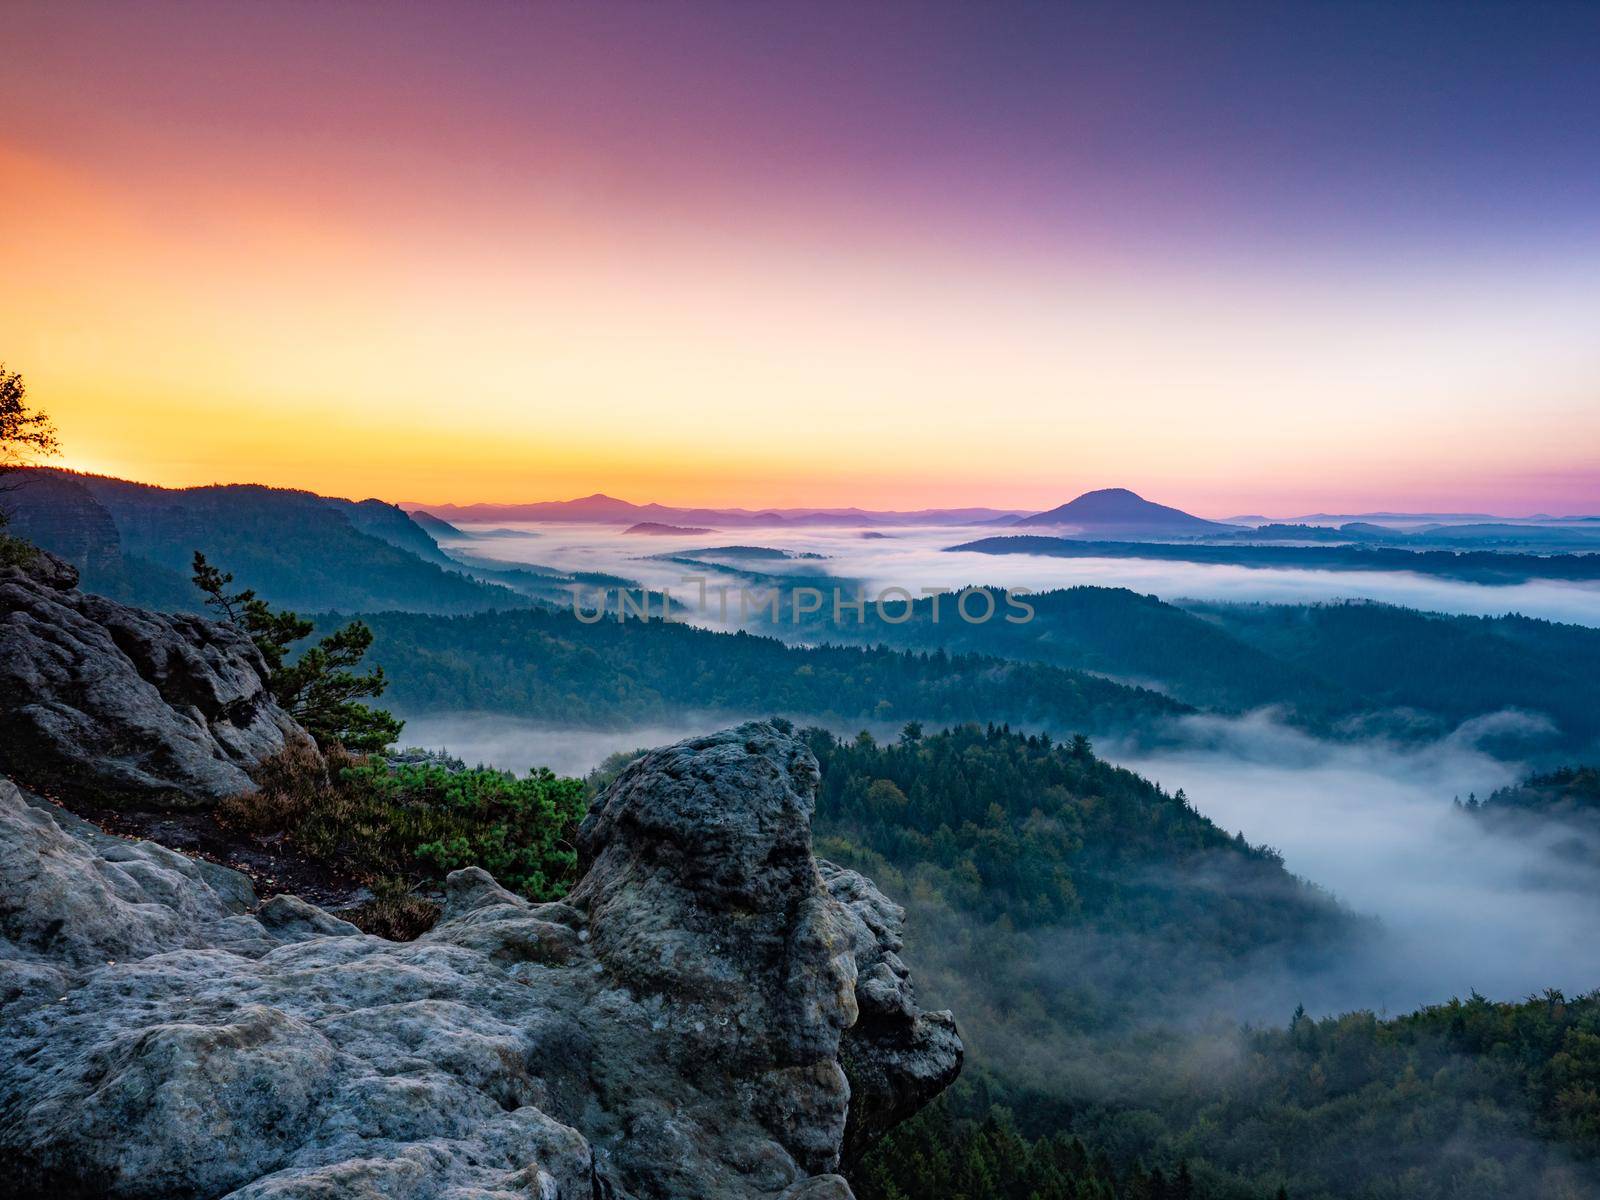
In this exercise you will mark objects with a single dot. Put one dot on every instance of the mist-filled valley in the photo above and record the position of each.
(917, 557)
(686, 600)
(1459, 906)
(1117, 1019)
(1205, 858)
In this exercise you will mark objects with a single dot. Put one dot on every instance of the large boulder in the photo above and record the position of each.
(710, 1014)
(701, 886)
(125, 707)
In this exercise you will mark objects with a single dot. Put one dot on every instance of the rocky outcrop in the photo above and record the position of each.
(710, 1014)
(123, 706)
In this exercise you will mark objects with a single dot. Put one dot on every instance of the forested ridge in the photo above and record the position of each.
(1336, 667)
(1469, 1100)
(1091, 931)
(547, 663)
(1558, 813)
(1566, 792)
(1039, 831)
(1455, 667)
(1476, 566)
(134, 542)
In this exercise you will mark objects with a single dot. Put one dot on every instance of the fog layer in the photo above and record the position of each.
(1461, 906)
(916, 558)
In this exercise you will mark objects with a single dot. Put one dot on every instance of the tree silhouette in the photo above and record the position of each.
(25, 433)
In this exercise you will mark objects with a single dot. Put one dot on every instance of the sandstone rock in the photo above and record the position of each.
(711, 1014)
(123, 706)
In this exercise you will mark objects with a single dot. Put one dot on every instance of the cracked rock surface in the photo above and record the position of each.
(711, 1013)
(126, 707)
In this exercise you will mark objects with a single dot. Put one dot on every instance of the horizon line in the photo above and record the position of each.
(411, 505)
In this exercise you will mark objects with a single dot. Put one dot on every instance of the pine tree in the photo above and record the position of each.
(321, 689)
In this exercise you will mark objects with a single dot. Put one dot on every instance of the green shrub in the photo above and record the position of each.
(397, 826)
(14, 552)
(519, 830)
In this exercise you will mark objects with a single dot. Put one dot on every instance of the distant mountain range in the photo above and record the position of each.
(135, 542)
(600, 509)
(1109, 512)
(1411, 518)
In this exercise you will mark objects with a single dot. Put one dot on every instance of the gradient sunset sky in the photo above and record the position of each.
(1241, 258)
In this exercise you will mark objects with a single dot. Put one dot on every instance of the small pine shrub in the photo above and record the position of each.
(397, 825)
(14, 552)
(519, 830)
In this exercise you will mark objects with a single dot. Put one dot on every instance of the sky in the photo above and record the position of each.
(1254, 258)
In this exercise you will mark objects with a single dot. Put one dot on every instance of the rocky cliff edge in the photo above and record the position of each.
(120, 706)
(712, 1013)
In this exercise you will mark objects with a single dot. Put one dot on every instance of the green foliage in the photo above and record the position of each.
(1376, 656)
(1468, 1100)
(937, 1154)
(1557, 813)
(272, 632)
(519, 830)
(14, 551)
(1330, 667)
(399, 825)
(1109, 630)
(1568, 792)
(321, 689)
(544, 663)
(1002, 823)
(1074, 916)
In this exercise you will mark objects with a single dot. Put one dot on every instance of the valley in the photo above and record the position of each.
(1130, 831)
(687, 600)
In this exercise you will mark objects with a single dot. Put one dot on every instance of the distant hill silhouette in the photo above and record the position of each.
(135, 541)
(1117, 510)
(657, 529)
(436, 528)
(600, 509)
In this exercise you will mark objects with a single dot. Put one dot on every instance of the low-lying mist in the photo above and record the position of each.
(1460, 907)
(517, 744)
(916, 558)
